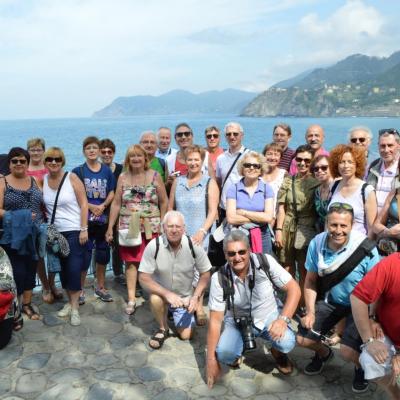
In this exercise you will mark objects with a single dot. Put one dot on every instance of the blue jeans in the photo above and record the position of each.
(230, 345)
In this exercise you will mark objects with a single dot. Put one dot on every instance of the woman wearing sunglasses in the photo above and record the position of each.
(348, 162)
(139, 204)
(250, 202)
(21, 203)
(320, 169)
(296, 217)
(196, 196)
(71, 221)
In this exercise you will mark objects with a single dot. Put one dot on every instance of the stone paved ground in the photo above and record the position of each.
(107, 357)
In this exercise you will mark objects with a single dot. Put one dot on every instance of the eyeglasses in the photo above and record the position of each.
(299, 160)
(182, 134)
(16, 161)
(358, 139)
(233, 253)
(36, 150)
(341, 206)
(229, 134)
(391, 131)
(251, 165)
(107, 152)
(53, 159)
(212, 136)
(323, 168)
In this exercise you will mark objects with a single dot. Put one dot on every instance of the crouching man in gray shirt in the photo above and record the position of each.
(167, 271)
(242, 296)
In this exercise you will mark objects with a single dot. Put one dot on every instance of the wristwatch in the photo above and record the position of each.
(369, 340)
(285, 318)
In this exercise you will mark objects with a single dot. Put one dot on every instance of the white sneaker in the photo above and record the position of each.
(65, 311)
(75, 318)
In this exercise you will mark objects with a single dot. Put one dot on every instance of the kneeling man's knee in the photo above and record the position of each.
(185, 334)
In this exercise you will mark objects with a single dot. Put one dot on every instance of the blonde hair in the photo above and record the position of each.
(54, 152)
(136, 148)
(252, 154)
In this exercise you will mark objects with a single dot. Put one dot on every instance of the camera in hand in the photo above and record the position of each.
(245, 326)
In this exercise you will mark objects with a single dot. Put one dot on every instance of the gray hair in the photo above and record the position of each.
(360, 128)
(233, 125)
(236, 235)
(163, 127)
(173, 213)
(145, 133)
(386, 134)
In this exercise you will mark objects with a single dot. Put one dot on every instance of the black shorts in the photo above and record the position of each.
(327, 315)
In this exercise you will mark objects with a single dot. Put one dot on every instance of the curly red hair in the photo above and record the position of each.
(336, 155)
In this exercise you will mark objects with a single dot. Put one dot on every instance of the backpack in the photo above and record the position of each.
(225, 279)
(336, 184)
(190, 246)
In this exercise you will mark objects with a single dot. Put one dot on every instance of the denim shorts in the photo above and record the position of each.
(182, 318)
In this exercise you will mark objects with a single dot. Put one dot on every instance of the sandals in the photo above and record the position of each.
(47, 296)
(29, 311)
(57, 293)
(159, 337)
(130, 307)
(18, 323)
(283, 363)
(201, 318)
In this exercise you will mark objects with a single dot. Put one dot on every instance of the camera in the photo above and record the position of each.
(245, 326)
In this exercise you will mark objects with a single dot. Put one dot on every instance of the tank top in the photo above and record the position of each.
(31, 199)
(68, 212)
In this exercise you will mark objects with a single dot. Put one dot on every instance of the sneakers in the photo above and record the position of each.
(82, 298)
(317, 364)
(65, 311)
(103, 295)
(120, 279)
(360, 385)
(75, 318)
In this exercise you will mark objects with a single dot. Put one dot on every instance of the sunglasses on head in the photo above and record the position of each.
(251, 165)
(182, 134)
(391, 131)
(229, 134)
(299, 160)
(323, 168)
(358, 139)
(212, 136)
(341, 206)
(16, 161)
(53, 159)
(233, 253)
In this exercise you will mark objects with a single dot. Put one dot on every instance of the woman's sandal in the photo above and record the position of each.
(160, 339)
(47, 296)
(18, 323)
(130, 307)
(29, 311)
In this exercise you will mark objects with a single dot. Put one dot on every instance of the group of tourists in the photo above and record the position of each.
(296, 247)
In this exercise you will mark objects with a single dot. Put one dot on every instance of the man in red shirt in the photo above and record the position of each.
(380, 331)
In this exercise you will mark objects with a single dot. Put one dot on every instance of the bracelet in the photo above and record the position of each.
(278, 229)
(203, 230)
(84, 228)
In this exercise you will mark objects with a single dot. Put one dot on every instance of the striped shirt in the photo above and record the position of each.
(286, 159)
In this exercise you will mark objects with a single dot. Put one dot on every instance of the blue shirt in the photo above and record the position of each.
(340, 293)
(244, 201)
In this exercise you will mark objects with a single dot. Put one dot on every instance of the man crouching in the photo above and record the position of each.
(167, 271)
(242, 295)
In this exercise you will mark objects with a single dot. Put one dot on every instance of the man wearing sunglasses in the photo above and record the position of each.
(213, 139)
(315, 137)
(360, 136)
(226, 168)
(252, 297)
(337, 260)
(384, 171)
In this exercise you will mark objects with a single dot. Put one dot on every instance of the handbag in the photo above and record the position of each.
(56, 241)
(304, 233)
(125, 239)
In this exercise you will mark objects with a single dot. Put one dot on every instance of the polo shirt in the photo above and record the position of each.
(174, 271)
(224, 163)
(382, 285)
(263, 300)
(244, 201)
(286, 159)
(340, 293)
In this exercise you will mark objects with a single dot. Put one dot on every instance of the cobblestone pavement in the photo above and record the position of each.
(107, 357)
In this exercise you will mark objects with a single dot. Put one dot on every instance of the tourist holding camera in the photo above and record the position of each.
(243, 295)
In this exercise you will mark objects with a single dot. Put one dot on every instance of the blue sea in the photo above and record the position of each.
(68, 133)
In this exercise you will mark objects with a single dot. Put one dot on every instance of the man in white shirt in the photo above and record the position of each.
(164, 143)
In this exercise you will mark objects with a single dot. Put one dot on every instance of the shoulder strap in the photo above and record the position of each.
(206, 195)
(264, 265)
(373, 164)
(333, 189)
(294, 198)
(327, 282)
(363, 187)
(190, 246)
(157, 247)
(227, 287)
(231, 168)
(53, 215)
(81, 176)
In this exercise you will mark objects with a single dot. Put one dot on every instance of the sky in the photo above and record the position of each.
(69, 58)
